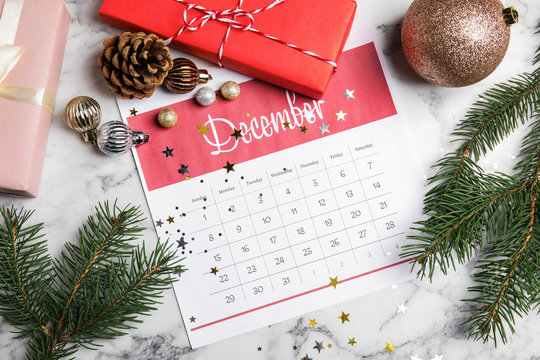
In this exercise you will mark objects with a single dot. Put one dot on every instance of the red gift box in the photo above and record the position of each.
(316, 26)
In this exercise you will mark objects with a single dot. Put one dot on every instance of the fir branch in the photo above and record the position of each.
(95, 290)
(452, 227)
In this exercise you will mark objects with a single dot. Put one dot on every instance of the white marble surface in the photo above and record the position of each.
(76, 176)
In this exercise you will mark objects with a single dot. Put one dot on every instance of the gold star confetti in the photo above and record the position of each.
(334, 282)
(329, 346)
(133, 112)
(170, 219)
(389, 347)
(344, 317)
(294, 347)
(352, 341)
(306, 357)
(312, 322)
(259, 348)
(237, 134)
(340, 115)
(188, 177)
(214, 270)
(247, 115)
(229, 167)
(287, 125)
(303, 129)
(202, 129)
(192, 319)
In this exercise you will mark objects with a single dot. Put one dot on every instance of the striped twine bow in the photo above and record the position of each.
(228, 17)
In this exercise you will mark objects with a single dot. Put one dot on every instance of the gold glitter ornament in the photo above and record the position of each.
(456, 42)
(230, 90)
(167, 118)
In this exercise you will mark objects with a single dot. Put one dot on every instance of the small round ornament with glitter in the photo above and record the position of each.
(167, 118)
(456, 42)
(184, 76)
(205, 96)
(115, 137)
(230, 90)
(83, 114)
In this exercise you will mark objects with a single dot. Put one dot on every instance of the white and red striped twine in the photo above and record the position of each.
(224, 16)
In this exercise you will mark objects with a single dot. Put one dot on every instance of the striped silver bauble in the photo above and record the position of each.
(115, 138)
(83, 114)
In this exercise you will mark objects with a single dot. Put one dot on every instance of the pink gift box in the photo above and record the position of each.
(24, 128)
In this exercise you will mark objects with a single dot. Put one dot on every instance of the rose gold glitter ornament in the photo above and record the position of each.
(184, 76)
(456, 42)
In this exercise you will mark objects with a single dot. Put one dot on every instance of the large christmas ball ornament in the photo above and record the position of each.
(456, 42)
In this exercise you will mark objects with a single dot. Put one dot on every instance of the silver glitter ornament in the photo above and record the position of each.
(167, 118)
(230, 90)
(205, 96)
(83, 114)
(115, 137)
(456, 42)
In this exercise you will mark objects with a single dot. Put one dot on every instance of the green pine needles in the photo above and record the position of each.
(94, 290)
(469, 211)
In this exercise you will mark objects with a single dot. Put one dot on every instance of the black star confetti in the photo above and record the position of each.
(229, 167)
(237, 134)
(259, 348)
(159, 223)
(133, 112)
(168, 152)
(319, 346)
(183, 169)
(181, 243)
(306, 357)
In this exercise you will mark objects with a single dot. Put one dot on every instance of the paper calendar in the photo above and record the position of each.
(279, 203)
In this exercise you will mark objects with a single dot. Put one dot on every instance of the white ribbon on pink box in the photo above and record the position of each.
(10, 55)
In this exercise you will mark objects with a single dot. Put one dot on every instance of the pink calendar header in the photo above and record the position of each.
(269, 118)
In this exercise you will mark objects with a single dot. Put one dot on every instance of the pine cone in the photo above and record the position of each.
(134, 65)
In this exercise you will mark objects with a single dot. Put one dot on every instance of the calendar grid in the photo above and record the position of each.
(244, 205)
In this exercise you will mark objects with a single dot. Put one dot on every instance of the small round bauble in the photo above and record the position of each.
(230, 90)
(167, 118)
(456, 42)
(205, 96)
(83, 114)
